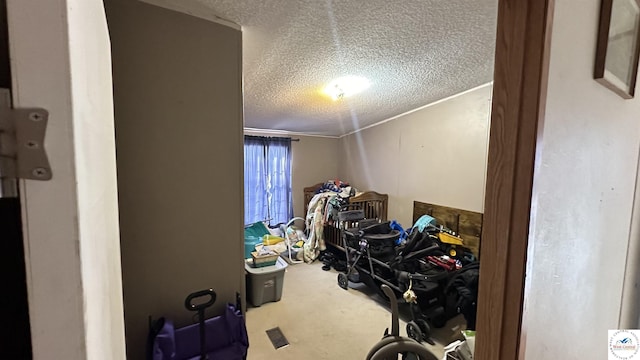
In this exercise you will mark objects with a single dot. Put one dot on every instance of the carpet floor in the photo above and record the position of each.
(320, 320)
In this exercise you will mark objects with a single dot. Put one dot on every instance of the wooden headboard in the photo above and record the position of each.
(467, 224)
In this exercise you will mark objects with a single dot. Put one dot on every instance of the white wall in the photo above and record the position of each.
(437, 154)
(71, 227)
(583, 191)
(314, 160)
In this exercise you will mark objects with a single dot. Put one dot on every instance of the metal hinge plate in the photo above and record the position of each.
(22, 132)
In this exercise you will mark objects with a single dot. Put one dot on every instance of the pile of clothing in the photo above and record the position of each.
(336, 186)
(323, 210)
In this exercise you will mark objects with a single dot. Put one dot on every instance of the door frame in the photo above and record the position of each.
(519, 95)
(64, 220)
(521, 70)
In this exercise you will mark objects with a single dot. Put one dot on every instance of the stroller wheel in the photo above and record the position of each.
(354, 277)
(414, 332)
(425, 328)
(343, 281)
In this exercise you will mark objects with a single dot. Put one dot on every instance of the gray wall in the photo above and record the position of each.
(436, 154)
(178, 116)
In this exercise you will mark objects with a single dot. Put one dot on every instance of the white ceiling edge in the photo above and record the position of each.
(288, 133)
(284, 132)
(191, 8)
(418, 109)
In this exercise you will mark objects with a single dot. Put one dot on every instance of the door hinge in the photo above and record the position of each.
(22, 131)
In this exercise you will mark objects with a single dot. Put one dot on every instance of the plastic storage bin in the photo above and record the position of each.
(264, 284)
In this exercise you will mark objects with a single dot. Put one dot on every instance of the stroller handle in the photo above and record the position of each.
(188, 302)
(395, 328)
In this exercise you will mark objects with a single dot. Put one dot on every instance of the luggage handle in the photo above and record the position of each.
(188, 302)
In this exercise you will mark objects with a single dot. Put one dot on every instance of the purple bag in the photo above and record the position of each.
(225, 337)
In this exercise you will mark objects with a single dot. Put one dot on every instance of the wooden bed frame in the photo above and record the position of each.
(375, 206)
(467, 224)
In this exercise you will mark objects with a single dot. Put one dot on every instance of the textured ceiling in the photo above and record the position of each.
(413, 52)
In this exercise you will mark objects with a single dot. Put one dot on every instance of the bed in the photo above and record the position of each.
(375, 206)
(467, 224)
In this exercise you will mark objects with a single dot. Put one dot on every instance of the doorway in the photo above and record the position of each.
(77, 270)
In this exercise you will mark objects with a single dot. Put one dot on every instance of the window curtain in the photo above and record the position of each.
(255, 186)
(279, 180)
(267, 183)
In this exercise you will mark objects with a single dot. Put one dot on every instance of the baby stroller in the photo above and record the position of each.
(375, 259)
(223, 337)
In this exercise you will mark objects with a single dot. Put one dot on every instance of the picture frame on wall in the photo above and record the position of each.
(618, 47)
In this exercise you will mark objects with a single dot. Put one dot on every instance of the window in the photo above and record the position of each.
(267, 180)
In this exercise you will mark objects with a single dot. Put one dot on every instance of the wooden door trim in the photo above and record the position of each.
(519, 94)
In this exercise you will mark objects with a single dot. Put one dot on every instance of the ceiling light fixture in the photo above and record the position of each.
(346, 86)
